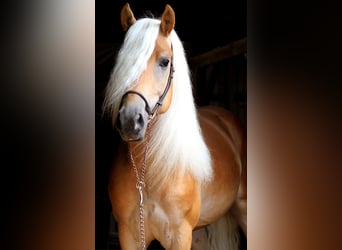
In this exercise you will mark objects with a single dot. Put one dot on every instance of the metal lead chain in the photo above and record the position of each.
(139, 186)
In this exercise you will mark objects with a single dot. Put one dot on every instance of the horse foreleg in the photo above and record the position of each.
(128, 239)
(181, 237)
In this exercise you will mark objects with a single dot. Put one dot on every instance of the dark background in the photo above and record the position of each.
(202, 26)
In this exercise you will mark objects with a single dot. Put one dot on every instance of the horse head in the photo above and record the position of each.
(151, 93)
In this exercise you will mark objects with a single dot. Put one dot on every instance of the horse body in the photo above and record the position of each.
(180, 204)
(188, 164)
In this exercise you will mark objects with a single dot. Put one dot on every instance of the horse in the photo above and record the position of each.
(179, 175)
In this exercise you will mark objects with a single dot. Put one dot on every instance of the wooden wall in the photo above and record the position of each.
(220, 78)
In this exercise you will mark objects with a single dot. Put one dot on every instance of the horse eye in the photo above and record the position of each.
(164, 62)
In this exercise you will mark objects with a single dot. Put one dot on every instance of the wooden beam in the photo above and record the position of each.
(219, 54)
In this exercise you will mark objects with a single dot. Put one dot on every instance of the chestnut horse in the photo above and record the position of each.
(180, 173)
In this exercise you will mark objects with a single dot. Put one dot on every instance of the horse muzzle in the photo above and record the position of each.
(132, 123)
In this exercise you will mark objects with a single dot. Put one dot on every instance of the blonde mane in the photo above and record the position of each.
(176, 138)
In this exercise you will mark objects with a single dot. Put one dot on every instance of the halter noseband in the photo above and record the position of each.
(152, 112)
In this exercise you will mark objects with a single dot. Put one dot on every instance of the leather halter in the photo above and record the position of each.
(152, 112)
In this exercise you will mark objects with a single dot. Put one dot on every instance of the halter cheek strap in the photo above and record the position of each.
(152, 112)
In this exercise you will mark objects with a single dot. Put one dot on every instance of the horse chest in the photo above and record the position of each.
(158, 223)
(161, 209)
(164, 211)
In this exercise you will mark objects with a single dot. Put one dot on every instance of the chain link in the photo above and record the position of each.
(140, 185)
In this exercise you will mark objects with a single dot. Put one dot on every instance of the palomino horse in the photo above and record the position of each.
(180, 173)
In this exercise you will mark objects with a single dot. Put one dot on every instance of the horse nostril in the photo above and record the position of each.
(140, 120)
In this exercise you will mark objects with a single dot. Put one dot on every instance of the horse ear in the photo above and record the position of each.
(127, 17)
(167, 20)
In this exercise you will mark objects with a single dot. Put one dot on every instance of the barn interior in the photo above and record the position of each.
(214, 35)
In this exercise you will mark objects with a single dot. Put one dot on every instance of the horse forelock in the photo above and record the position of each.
(131, 61)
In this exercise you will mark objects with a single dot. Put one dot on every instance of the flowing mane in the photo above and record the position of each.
(177, 139)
